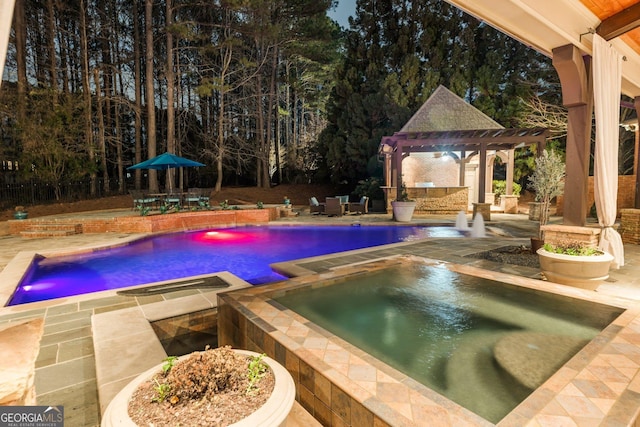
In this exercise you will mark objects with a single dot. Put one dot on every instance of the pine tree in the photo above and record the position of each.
(397, 53)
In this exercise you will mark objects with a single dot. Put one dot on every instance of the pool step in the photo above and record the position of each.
(50, 229)
(472, 372)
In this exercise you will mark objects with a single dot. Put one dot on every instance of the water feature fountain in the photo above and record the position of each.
(461, 221)
(477, 229)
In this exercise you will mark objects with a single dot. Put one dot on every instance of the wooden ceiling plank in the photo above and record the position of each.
(620, 23)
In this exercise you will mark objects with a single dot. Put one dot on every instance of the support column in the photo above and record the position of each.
(463, 165)
(574, 71)
(636, 161)
(483, 173)
(510, 166)
(399, 155)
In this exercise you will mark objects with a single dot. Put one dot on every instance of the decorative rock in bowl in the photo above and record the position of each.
(586, 271)
(193, 389)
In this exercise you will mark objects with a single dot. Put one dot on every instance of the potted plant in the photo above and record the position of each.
(20, 213)
(220, 386)
(547, 181)
(574, 264)
(403, 207)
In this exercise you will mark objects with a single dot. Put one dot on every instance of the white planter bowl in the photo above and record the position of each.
(272, 414)
(586, 272)
(403, 211)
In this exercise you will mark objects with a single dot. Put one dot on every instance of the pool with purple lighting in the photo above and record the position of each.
(247, 252)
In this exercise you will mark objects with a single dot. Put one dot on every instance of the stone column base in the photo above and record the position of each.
(630, 226)
(557, 234)
(509, 203)
(484, 209)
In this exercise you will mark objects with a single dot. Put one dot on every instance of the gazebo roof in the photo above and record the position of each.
(446, 111)
(446, 122)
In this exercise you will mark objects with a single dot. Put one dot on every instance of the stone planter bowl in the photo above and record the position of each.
(403, 211)
(273, 413)
(586, 272)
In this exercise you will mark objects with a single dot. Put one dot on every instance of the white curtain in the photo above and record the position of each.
(607, 71)
(6, 16)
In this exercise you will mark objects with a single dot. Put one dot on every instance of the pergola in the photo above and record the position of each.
(466, 142)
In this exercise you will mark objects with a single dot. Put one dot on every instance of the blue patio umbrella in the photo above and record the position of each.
(166, 161)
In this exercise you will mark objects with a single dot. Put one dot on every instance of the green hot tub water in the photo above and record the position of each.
(443, 329)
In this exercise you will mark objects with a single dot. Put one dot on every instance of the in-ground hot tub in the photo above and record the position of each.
(380, 361)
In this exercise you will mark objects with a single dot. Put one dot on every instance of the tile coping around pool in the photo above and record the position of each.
(600, 385)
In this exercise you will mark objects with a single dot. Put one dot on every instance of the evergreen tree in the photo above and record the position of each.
(397, 53)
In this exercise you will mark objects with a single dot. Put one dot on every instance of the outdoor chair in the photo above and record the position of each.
(333, 206)
(315, 207)
(192, 198)
(344, 200)
(359, 207)
(174, 198)
(141, 200)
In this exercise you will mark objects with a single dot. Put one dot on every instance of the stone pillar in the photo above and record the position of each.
(509, 203)
(630, 226)
(535, 209)
(559, 235)
(490, 198)
(484, 209)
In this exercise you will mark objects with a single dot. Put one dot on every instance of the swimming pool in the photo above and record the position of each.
(247, 252)
(337, 379)
(460, 335)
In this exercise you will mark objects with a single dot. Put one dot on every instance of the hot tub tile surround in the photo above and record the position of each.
(342, 385)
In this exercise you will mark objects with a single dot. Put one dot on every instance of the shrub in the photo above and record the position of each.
(500, 188)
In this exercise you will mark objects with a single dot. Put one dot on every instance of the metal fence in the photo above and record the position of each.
(37, 193)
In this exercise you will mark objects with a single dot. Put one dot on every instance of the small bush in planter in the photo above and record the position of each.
(404, 195)
(547, 181)
(572, 248)
(212, 387)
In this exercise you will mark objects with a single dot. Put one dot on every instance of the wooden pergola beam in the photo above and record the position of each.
(401, 144)
(620, 23)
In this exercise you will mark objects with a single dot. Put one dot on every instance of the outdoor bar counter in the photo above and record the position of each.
(433, 200)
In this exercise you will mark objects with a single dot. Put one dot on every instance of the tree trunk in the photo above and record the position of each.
(138, 94)
(119, 108)
(260, 158)
(101, 131)
(273, 116)
(151, 111)
(20, 30)
(51, 51)
(86, 97)
(171, 141)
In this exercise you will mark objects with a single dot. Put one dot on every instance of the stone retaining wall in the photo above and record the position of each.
(158, 222)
